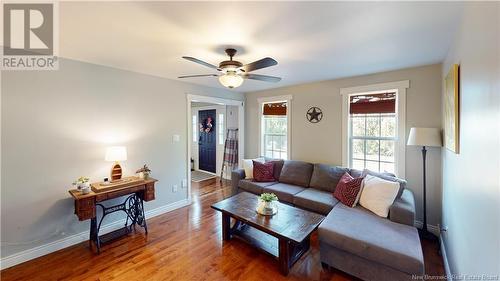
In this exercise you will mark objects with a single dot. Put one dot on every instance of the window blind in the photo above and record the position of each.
(373, 103)
(276, 108)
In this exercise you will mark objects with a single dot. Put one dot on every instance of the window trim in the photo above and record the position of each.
(400, 88)
(288, 100)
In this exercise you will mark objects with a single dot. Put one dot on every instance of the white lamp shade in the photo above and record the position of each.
(116, 153)
(425, 137)
(231, 80)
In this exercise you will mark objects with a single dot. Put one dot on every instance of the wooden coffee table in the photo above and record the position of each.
(285, 235)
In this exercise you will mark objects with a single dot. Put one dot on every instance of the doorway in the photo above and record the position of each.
(210, 121)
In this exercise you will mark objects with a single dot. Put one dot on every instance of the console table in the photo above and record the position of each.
(86, 208)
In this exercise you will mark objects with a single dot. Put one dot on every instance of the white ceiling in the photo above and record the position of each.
(310, 41)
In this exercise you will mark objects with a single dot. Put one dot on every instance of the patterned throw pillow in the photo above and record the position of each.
(348, 190)
(263, 172)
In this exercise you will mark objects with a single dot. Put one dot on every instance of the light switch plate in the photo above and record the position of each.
(184, 183)
(174, 188)
(176, 138)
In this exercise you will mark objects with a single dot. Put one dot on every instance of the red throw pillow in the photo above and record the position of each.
(263, 172)
(347, 190)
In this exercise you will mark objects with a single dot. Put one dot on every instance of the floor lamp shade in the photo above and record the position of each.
(425, 137)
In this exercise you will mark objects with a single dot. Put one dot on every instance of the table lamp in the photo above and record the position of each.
(116, 154)
(425, 137)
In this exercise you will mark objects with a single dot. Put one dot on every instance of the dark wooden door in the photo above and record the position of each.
(207, 142)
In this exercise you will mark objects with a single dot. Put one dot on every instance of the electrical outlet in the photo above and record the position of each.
(174, 188)
(184, 183)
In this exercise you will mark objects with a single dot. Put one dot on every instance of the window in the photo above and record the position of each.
(274, 141)
(372, 134)
(374, 126)
(195, 128)
(220, 128)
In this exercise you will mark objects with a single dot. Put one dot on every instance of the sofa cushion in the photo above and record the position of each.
(378, 195)
(285, 192)
(278, 166)
(263, 172)
(296, 173)
(253, 186)
(348, 190)
(326, 177)
(316, 200)
(357, 231)
(389, 177)
(355, 173)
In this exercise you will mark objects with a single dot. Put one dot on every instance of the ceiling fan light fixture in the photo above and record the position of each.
(231, 80)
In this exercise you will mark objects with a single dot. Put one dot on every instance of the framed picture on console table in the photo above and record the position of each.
(451, 109)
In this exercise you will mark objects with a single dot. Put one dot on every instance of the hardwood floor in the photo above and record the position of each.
(184, 244)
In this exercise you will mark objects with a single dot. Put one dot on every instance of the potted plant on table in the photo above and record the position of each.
(267, 204)
(144, 172)
(83, 184)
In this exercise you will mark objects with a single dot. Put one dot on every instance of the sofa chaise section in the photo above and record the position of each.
(369, 247)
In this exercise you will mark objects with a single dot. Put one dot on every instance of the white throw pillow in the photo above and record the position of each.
(378, 195)
(248, 166)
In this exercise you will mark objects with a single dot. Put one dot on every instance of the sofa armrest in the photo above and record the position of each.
(403, 209)
(236, 176)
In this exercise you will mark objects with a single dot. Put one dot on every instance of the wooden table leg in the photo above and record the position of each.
(226, 227)
(284, 256)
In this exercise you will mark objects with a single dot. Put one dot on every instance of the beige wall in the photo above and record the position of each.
(471, 179)
(321, 142)
(55, 127)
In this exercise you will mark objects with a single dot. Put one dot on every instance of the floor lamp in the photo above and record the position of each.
(425, 137)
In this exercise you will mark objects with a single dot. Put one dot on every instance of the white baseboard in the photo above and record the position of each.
(434, 229)
(447, 270)
(51, 247)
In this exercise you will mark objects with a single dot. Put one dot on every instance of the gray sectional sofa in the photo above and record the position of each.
(353, 240)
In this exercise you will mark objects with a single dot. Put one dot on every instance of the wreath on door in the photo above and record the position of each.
(207, 125)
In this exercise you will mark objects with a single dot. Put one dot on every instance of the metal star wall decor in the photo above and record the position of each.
(314, 114)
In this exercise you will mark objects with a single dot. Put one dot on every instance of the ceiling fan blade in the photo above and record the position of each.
(263, 63)
(201, 62)
(199, 75)
(262, 77)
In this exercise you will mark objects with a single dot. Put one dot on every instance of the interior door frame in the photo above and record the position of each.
(241, 129)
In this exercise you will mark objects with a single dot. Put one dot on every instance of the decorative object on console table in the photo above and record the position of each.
(116, 154)
(82, 184)
(144, 172)
(138, 191)
(425, 137)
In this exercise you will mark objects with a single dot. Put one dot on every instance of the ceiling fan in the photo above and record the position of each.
(233, 72)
